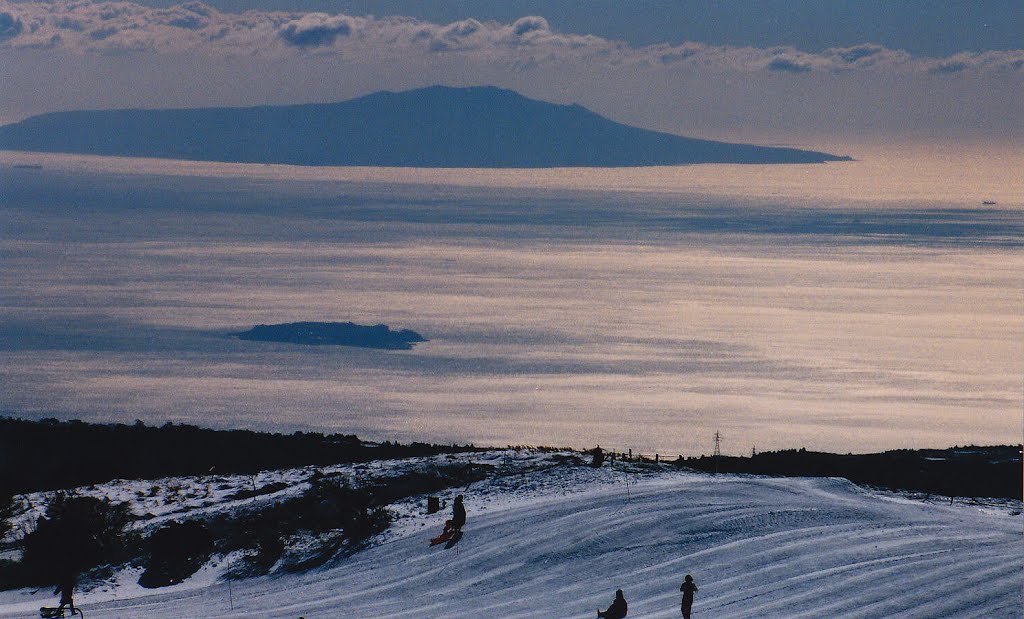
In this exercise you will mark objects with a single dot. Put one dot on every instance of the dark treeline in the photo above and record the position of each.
(52, 454)
(966, 471)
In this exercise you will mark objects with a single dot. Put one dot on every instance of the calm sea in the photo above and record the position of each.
(847, 306)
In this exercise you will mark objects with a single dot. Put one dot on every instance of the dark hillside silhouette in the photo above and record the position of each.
(968, 471)
(430, 127)
(51, 454)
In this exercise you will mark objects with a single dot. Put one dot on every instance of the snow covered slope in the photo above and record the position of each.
(557, 542)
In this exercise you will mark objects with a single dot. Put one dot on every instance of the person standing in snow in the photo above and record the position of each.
(458, 514)
(65, 589)
(688, 589)
(617, 610)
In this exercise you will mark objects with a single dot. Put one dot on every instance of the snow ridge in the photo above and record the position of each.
(556, 540)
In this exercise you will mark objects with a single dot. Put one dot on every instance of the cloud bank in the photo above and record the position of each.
(119, 27)
(83, 54)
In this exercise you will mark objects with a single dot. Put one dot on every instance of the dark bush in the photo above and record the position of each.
(269, 543)
(6, 509)
(248, 493)
(8, 569)
(259, 532)
(348, 516)
(326, 506)
(77, 533)
(176, 552)
(434, 480)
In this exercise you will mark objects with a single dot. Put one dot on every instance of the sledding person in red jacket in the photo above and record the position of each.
(617, 610)
(452, 528)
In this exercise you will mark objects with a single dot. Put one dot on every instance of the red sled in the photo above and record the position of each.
(450, 535)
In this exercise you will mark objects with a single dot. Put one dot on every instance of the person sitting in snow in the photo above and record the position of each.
(617, 610)
(453, 527)
(688, 589)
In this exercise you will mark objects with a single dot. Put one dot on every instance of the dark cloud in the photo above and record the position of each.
(67, 23)
(191, 16)
(315, 30)
(966, 61)
(788, 65)
(198, 8)
(457, 35)
(856, 53)
(102, 33)
(526, 25)
(10, 26)
(676, 57)
(463, 28)
(949, 66)
(108, 13)
(190, 22)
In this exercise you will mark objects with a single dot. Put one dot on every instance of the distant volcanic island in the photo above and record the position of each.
(333, 334)
(434, 127)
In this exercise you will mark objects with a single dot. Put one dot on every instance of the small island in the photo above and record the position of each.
(333, 334)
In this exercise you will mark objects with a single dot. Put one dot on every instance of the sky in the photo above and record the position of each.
(796, 72)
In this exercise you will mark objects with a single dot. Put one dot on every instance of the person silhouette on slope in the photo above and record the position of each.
(66, 589)
(617, 610)
(688, 589)
(458, 514)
